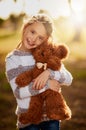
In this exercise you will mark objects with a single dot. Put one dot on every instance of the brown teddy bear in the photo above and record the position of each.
(46, 56)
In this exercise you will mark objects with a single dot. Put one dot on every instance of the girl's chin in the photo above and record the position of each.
(30, 47)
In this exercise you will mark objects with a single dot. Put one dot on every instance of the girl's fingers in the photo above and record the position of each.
(41, 80)
(38, 84)
(54, 85)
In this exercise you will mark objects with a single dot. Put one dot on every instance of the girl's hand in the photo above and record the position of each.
(41, 80)
(54, 85)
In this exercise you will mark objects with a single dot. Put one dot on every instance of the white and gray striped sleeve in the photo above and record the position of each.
(12, 71)
(63, 76)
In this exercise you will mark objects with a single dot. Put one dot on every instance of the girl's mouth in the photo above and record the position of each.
(30, 43)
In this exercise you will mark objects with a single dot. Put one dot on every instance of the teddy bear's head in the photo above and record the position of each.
(50, 54)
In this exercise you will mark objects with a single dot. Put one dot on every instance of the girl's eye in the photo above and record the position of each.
(33, 32)
(40, 38)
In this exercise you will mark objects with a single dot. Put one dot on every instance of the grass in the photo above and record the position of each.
(74, 95)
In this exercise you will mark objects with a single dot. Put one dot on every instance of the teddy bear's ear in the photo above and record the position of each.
(62, 51)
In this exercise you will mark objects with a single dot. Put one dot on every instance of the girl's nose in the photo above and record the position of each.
(34, 38)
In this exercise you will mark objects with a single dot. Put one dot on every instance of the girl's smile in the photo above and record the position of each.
(29, 42)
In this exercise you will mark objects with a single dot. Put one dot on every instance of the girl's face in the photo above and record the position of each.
(34, 35)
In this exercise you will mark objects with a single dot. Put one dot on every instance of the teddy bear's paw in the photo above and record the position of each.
(23, 121)
(65, 116)
(55, 117)
(68, 115)
(26, 118)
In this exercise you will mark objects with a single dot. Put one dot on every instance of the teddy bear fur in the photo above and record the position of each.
(56, 106)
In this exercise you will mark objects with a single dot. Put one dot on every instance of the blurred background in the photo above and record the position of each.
(69, 17)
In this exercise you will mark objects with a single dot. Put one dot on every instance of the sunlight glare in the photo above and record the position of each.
(78, 5)
(56, 8)
(5, 8)
(31, 7)
(8, 7)
(78, 8)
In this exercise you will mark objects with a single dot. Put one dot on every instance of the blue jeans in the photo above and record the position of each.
(46, 125)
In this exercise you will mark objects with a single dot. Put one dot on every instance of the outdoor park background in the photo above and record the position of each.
(69, 28)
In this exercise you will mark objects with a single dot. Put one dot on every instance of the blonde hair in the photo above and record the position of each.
(44, 19)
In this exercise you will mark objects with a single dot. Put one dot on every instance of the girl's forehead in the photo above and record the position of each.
(38, 27)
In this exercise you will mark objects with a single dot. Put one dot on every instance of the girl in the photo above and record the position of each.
(35, 32)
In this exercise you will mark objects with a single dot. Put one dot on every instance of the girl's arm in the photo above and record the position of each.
(12, 71)
(63, 76)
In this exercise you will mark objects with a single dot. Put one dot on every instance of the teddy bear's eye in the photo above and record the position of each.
(42, 54)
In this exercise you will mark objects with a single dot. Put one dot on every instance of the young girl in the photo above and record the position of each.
(35, 32)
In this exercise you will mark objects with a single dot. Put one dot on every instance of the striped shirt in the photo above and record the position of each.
(17, 62)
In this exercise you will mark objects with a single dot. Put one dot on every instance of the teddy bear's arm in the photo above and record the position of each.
(26, 77)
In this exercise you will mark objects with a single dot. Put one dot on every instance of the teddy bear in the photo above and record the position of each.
(47, 56)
